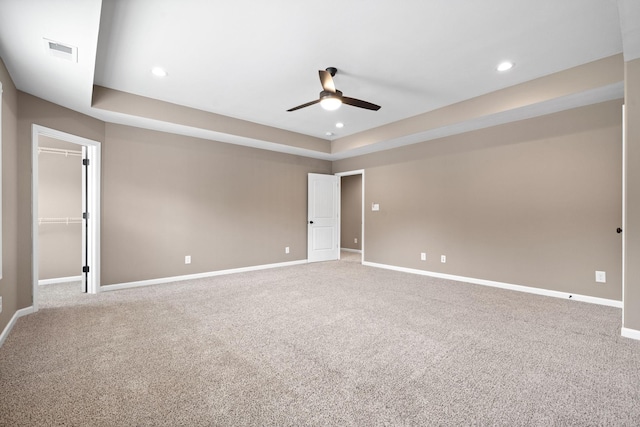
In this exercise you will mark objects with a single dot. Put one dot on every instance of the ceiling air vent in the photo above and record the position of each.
(61, 50)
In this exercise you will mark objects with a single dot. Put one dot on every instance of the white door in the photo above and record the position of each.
(322, 227)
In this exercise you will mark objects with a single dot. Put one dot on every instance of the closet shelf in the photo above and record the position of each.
(65, 153)
(66, 221)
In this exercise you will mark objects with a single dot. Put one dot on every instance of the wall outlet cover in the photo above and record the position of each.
(286, 250)
(443, 258)
(423, 256)
(601, 276)
(187, 259)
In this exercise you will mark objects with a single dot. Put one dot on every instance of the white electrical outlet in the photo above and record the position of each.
(443, 258)
(601, 276)
(355, 240)
(0, 304)
(375, 207)
(423, 256)
(286, 250)
(187, 259)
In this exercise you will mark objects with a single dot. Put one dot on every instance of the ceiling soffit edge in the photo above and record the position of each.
(586, 84)
(572, 82)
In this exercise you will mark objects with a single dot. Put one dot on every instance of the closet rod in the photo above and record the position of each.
(66, 220)
(66, 153)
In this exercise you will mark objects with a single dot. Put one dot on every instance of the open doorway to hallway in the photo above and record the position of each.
(352, 215)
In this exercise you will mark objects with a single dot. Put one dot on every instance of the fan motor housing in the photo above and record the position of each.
(329, 94)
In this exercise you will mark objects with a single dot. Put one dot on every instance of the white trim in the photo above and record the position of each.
(630, 333)
(502, 285)
(351, 250)
(150, 282)
(624, 204)
(57, 280)
(93, 151)
(349, 173)
(12, 322)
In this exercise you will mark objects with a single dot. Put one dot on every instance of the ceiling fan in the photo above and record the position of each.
(331, 98)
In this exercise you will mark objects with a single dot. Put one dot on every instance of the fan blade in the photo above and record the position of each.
(360, 103)
(304, 105)
(327, 81)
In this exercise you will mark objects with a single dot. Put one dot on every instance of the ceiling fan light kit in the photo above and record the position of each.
(331, 99)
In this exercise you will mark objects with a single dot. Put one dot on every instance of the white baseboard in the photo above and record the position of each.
(351, 250)
(12, 322)
(502, 285)
(59, 280)
(630, 333)
(150, 282)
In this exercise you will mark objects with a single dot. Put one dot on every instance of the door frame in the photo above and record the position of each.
(93, 149)
(624, 206)
(362, 238)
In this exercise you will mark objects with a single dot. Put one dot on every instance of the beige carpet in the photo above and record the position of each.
(321, 344)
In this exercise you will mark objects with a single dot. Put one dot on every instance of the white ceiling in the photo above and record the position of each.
(253, 60)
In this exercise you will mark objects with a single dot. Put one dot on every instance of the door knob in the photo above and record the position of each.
(310, 222)
(618, 230)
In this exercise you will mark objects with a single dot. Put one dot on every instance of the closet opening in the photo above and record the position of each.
(65, 211)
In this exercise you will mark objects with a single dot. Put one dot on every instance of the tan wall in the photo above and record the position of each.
(59, 196)
(10, 236)
(32, 110)
(532, 203)
(351, 211)
(166, 196)
(632, 227)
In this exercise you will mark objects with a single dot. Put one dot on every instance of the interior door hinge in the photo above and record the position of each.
(85, 215)
(85, 162)
(85, 269)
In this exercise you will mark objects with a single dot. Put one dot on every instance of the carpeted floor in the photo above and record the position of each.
(325, 344)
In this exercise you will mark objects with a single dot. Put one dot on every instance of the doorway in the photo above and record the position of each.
(352, 213)
(325, 211)
(87, 153)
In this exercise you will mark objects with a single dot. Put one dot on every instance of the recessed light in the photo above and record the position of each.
(505, 66)
(339, 125)
(158, 71)
(329, 133)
